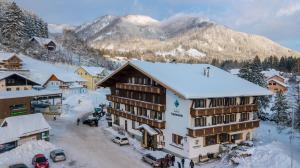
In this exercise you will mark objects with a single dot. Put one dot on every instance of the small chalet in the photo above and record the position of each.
(47, 43)
(17, 130)
(277, 83)
(10, 81)
(10, 61)
(68, 83)
(92, 75)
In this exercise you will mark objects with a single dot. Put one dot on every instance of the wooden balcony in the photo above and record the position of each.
(140, 88)
(223, 110)
(138, 103)
(223, 129)
(150, 122)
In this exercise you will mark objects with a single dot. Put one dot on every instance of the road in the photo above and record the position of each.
(91, 147)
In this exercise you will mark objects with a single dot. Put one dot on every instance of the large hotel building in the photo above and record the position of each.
(185, 109)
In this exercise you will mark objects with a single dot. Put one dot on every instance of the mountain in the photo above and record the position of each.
(181, 36)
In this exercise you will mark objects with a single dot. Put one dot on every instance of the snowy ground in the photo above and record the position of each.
(91, 147)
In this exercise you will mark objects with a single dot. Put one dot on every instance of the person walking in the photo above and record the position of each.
(78, 121)
(182, 162)
(179, 165)
(192, 164)
(173, 160)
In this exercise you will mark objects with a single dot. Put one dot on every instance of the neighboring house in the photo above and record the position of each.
(277, 83)
(68, 83)
(46, 43)
(10, 81)
(186, 109)
(9, 61)
(22, 102)
(17, 130)
(92, 75)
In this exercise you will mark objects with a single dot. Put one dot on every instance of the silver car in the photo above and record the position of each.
(58, 155)
(153, 160)
(121, 140)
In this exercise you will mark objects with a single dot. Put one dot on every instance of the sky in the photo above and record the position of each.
(278, 20)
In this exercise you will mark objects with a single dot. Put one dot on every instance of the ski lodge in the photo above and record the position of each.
(184, 109)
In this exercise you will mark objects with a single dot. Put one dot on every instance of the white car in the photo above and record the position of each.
(121, 140)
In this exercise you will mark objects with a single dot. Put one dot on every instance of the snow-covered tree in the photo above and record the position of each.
(13, 28)
(280, 108)
(251, 71)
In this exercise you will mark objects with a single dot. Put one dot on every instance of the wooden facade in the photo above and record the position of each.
(206, 131)
(150, 122)
(7, 106)
(12, 63)
(141, 88)
(223, 110)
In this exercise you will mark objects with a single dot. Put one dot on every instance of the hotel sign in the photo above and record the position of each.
(176, 110)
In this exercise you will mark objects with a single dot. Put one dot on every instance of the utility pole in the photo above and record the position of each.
(293, 121)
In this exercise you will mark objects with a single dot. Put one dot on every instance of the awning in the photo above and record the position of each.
(149, 129)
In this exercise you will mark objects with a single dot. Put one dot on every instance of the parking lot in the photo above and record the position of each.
(91, 147)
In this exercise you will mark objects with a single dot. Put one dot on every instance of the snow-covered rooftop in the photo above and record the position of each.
(27, 93)
(271, 72)
(189, 81)
(23, 125)
(277, 81)
(43, 41)
(69, 77)
(94, 71)
(6, 74)
(5, 55)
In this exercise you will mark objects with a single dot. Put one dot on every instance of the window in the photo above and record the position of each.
(201, 103)
(177, 139)
(244, 116)
(8, 89)
(230, 101)
(217, 120)
(17, 88)
(200, 122)
(244, 100)
(210, 140)
(117, 106)
(229, 118)
(236, 136)
(116, 120)
(117, 92)
(133, 124)
(216, 102)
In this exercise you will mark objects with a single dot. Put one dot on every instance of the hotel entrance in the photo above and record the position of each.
(151, 138)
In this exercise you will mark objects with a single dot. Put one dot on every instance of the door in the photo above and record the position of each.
(125, 125)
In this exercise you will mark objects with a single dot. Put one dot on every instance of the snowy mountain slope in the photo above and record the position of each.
(147, 36)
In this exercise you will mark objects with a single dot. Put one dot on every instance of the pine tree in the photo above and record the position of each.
(13, 28)
(251, 71)
(281, 115)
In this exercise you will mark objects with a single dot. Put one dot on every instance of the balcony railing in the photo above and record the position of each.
(138, 103)
(141, 88)
(223, 110)
(223, 129)
(150, 122)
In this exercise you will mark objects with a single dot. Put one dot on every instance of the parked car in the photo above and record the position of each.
(20, 165)
(40, 161)
(121, 140)
(153, 160)
(90, 119)
(58, 155)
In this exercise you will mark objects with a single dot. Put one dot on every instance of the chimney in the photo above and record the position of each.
(207, 71)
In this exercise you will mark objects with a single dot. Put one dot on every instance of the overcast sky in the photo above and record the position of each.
(278, 20)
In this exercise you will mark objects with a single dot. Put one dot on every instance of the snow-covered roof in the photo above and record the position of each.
(94, 71)
(270, 73)
(27, 93)
(277, 81)
(8, 135)
(43, 41)
(24, 125)
(6, 74)
(5, 55)
(150, 130)
(189, 81)
(68, 77)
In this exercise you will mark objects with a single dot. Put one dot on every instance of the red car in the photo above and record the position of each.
(40, 161)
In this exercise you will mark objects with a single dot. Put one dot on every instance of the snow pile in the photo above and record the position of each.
(271, 154)
(25, 153)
